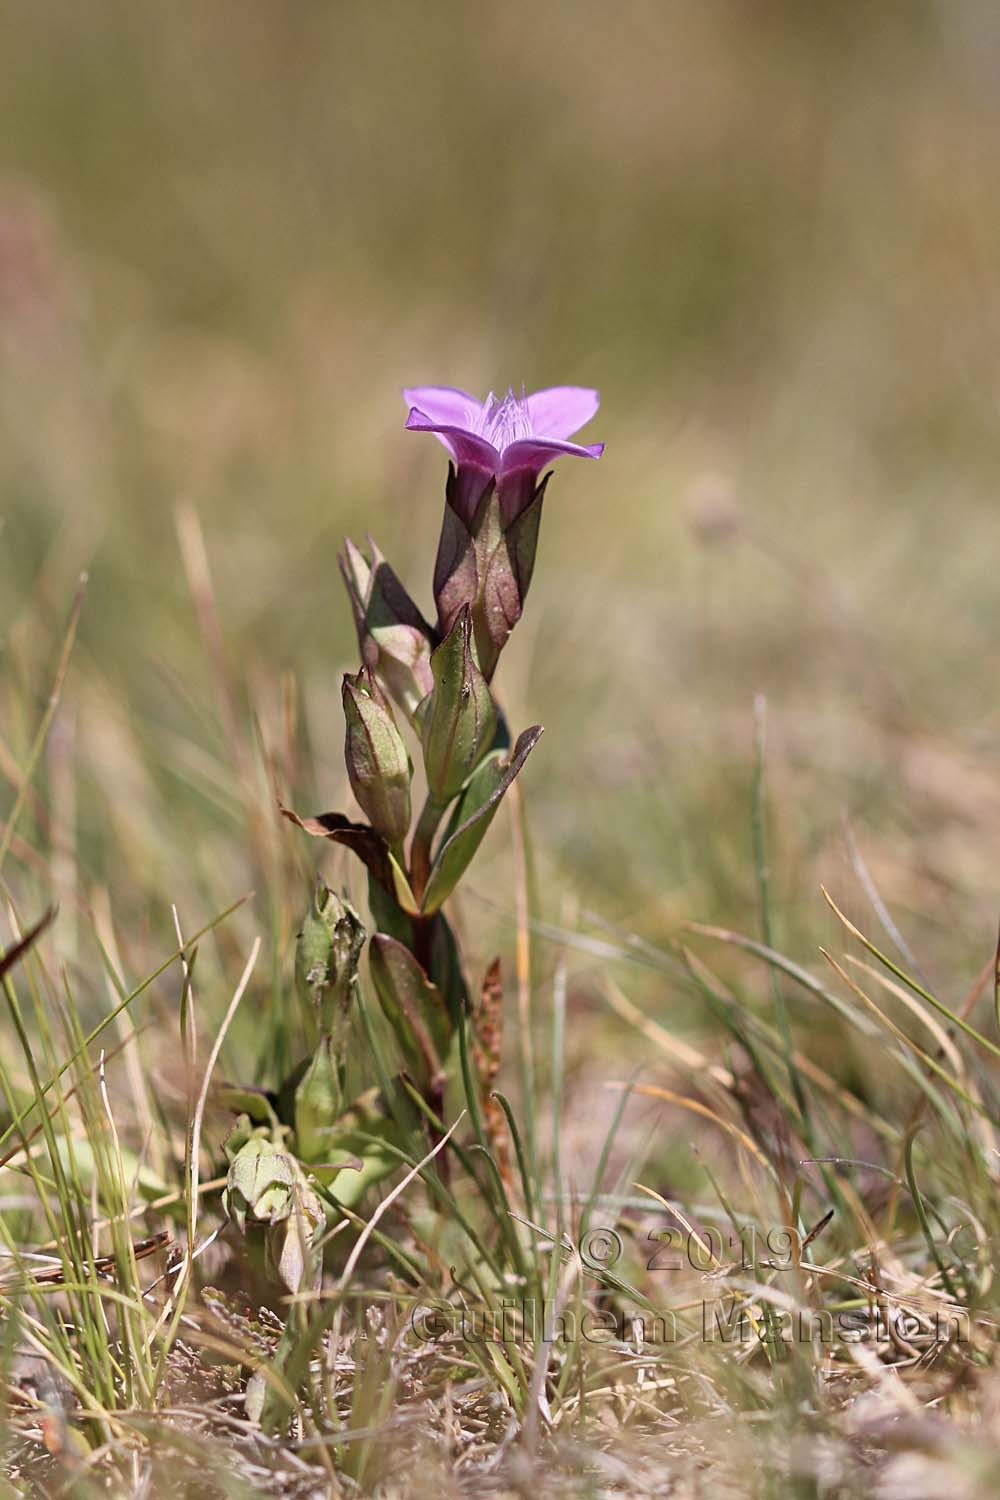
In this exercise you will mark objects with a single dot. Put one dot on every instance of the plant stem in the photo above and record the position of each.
(420, 849)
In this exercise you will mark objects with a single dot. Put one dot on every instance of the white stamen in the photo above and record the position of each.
(506, 421)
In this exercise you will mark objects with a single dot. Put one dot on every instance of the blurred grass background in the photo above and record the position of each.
(769, 233)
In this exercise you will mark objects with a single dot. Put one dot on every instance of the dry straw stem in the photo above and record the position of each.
(816, 1075)
(42, 733)
(897, 1031)
(679, 1052)
(695, 1107)
(337, 1292)
(175, 1305)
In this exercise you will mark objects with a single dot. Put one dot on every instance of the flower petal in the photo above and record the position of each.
(442, 403)
(523, 461)
(561, 410)
(535, 453)
(465, 447)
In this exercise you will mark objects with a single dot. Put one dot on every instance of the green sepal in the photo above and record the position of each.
(459, 721)
(377, 761)
(395, 639)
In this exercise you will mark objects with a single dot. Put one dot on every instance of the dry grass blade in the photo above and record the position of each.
(695, 1107)
(900, 1035)
(679, 1052)
(46, 721)
(953, 1016)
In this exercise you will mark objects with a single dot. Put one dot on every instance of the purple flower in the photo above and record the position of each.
(511, 440)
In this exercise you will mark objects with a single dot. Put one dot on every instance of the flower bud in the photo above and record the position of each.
(319, 1104)
(485, 561)
(460, 719)
(266, 1188)
(506, 576)
(377, 762)
(261, 1183)
(456, 566)
(327, 955)
(395, 639)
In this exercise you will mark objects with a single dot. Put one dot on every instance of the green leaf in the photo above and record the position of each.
(374, 1138)
(244, 1099)
(401, 887)
(473, 816)
(446, 967)
(349, 1184)
(414, 1007)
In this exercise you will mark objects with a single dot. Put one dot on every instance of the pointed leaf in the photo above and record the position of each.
(473, 816)
(414, 1007)
(243, 1098)
(374, 1133)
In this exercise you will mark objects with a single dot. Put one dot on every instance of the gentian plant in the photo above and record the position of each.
(421, 688)
(434, 679)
